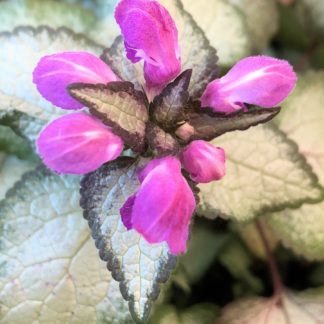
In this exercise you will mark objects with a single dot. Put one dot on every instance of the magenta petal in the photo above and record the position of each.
(204, 161)
(163, 205)
(77, 144)
(257, 80)
(55, 72)
(150, 34)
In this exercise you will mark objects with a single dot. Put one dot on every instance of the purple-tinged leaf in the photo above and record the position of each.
(77, 144)
(169, 107)
(119, 106)
(209, 125)
(161, 142)
(55, 72)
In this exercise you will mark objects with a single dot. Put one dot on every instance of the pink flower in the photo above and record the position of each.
(257, 80)
(204, 161)
(54, 73)
(150, 34)
(77, 143)
(162, 207)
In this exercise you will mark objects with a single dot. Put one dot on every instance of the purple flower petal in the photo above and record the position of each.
(204, 161)
(55, 72)
(77, 143)
(150, 34)
(163, 206)
(257, 80)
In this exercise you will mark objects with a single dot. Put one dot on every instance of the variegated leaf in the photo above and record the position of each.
(169, 107)
(139, 266)
(49, 268)
(21, 106)
(295, 308)
(94, 19)
(302, 229)
(225, 27)
(119, 106)
(265, 172)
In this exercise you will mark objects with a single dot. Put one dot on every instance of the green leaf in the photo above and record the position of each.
(11, 170)
(302, 119)
(49, 268)
(119, 106)
(106, 29)
(194, 263)
(265, 172)
(251, 237)
(138, 265)
(196, 53)
(292, 33)
(225, 27)
(302, 230)
(51, 13)
(20, 103)
(311, 16)
(207, 125)
(235, 257)
(11, 143)
(203, 313)
(169, 107)
(161, 142)
(295, 308)
(262, 20)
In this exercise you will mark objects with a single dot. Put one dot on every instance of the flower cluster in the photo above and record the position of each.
(79, 143)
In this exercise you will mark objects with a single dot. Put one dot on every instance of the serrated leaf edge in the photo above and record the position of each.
(203, 207)
(114, 266)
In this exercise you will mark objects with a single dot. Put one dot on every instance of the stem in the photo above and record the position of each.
(275, 274)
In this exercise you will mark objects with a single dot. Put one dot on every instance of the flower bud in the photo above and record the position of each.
(204, 161)
(256, 80)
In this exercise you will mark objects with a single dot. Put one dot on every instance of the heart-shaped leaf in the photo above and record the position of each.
(303, 229)
(196, 53)
(35, 13)
(138, 265)
(207, 125)
(169, 107)
(265, 172)
(94, 19)
(119, 106)
(17, 92)
(50, 270)
(295, 308)
(225, 27)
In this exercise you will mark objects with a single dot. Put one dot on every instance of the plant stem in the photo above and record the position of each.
(275, 274)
